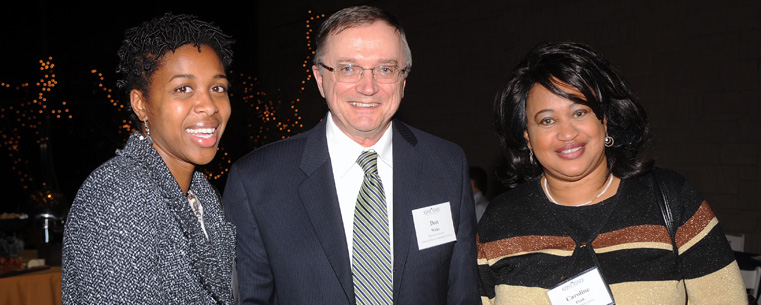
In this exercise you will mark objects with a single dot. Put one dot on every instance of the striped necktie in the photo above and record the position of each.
(371, 254)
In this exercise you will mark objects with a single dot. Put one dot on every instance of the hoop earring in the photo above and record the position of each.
(609, 141)
(147, 136)
(531, 156)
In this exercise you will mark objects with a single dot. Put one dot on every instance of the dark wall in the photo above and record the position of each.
(693, 64)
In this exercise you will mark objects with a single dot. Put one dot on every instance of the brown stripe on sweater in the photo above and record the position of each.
(694, 225)
(520, 244)
(633, 234)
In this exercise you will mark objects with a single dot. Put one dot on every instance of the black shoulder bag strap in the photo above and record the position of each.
(663, 204)
(668, 219)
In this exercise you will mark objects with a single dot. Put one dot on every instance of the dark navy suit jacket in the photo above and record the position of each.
(291, 244)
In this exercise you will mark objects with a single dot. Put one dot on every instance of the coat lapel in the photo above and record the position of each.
(320, 201)
(210, 260)
(214, 256)
(407, 173)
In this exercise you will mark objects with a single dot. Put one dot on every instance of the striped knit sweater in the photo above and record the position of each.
(527, 245)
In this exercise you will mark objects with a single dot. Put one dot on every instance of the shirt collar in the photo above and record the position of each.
(344, 151)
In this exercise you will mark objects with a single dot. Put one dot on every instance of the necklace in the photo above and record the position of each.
(610, 179)
(196, 206)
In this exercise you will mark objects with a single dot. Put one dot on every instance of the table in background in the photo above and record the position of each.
(35, 288)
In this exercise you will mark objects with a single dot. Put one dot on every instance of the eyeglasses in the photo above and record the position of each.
(348, 73)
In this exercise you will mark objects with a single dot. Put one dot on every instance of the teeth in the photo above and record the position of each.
(201, 132)
(571, 150)
(368, 105)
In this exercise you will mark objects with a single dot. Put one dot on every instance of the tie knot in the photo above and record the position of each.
(369, 161)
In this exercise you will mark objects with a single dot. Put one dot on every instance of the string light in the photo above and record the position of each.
(273, 116)
(125, 128)
(278, 117)
(31, 106)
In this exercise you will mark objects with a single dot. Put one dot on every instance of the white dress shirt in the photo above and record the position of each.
(348, 175)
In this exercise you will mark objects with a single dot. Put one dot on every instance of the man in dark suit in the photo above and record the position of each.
(318, 225)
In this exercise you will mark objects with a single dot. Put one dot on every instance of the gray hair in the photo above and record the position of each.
(357, 16)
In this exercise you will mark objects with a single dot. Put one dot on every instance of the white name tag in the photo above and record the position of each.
(587, 288)
(433, 225)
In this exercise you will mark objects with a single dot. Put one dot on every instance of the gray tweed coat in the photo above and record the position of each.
(131, 237)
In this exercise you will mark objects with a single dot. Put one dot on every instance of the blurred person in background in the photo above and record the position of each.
(479, 182)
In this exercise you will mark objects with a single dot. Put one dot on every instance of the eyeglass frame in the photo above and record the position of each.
(362, 74)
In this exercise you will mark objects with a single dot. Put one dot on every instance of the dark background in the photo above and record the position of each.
(695, 65)
(81, 38)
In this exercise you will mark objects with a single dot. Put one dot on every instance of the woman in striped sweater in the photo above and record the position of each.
(583, 224)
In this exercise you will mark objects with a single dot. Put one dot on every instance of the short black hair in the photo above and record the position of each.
(143, 47)
(604, 90)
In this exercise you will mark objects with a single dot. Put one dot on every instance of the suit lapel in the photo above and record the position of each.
(320, 201)
(407, 171)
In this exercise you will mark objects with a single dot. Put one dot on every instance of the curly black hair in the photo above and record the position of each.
(143, 47)
(604, 90)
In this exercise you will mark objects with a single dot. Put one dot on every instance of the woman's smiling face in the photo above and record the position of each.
(566, 137)
(187, 107)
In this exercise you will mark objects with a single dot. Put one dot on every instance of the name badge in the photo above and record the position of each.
(433, 225)
(587, 288)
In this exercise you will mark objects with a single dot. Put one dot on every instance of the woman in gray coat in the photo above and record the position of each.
(146, 227)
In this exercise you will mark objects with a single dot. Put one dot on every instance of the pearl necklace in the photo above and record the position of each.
(547, 190)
